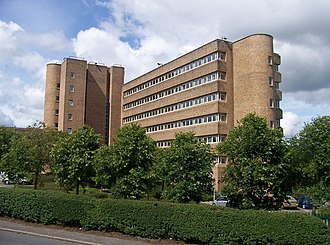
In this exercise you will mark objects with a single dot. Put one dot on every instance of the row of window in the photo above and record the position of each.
(208, 139)
(187, 85)
(222, 117)
(178, 71)
(197, 101)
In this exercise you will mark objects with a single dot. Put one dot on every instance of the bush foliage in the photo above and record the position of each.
(201, 224)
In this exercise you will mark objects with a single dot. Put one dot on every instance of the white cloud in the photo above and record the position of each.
(9, 39)
(141, 33)
(34, 98)
(22, 71)
(52, 41)
(34, 63)
(5, 120)
(291, 124)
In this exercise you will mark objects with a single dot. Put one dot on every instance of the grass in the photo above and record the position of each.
(48, 183)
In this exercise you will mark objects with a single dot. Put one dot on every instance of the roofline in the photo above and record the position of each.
(215, 40)
(255, 34)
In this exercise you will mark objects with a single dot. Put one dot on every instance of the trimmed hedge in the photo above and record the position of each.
(201, 224)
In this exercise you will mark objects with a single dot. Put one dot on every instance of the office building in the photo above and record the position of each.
(207, 91)
(79, 93)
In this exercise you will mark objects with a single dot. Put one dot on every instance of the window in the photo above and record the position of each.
(55, 125)
(222, 75)
(223, 117)
(277, 123)
(56, 112)
(57, 98)
(277, 85)
(222, 160)
(271, 81)
(58, 86)
(222, 56)
(70, 117)
(276, 67)
(271, 124)
(222, 137)
(72, 75)
(71, 88)
(223, 96)
(69, 130)
(70, 103)
(277, 103)
(271, 103)
(270, 60)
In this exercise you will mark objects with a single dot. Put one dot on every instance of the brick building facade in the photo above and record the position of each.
(207, 91)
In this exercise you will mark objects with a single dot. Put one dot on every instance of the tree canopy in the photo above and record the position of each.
(257, 170)
(125, 165)
(29, 152)
(188, 168)
(73, 158)
(310, 151)
(6, 137)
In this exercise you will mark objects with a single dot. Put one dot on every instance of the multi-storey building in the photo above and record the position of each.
(79, 93)
(207, 91)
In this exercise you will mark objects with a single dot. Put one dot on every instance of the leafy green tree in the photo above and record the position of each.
(14, 161)
(29, 153)
(73, 158)
(188, 168)
(6, 136)
(127, 163)
(159, 172)
(310, 152)
(258, 168)
(104, 166)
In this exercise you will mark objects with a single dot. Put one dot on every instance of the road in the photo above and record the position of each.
(13, 232)
(15, 238)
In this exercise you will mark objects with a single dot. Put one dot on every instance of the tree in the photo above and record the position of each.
(104, 166)
(188, 168)
(258, 170)
(6, 136)
(29, 152)
(73, 158)
(126, 164)
(310, 151)
(14, 161)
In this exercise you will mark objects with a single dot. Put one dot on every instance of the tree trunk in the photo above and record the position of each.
(36, 175)
(77, 187)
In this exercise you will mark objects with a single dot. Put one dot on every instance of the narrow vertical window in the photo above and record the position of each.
(270, 81)
(270, 60)
(222, 75)
(71, 88)
(222, 56)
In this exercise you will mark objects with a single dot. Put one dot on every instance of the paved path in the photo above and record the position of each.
(72, 235)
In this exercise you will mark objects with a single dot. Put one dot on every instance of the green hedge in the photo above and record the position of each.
(201, 224)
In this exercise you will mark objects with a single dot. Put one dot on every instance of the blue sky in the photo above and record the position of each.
(140, 33)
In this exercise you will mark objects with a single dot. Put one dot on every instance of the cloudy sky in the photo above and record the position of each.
(139, 33)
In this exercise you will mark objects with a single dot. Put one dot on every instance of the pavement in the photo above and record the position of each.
(76, 235)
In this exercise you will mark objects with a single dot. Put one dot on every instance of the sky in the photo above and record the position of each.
(138, 34)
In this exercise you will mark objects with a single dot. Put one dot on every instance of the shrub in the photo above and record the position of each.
(201, 224)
